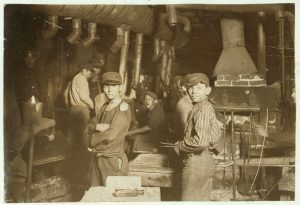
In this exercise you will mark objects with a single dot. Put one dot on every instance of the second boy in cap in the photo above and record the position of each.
(202, 129)
(108, 131)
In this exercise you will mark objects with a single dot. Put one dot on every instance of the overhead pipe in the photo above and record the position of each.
(156, 49)
(177, 36)
(261, 44)
(92, 34)
(171, 13)
(119, 43)
(75, 35)
(277, 9)
(186, 22)
(139, 17)
(138, 58)
(123, 60)
(52, 28)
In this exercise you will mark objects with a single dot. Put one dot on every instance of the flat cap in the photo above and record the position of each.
(183, 80)
(151, 94)
(195, 78)
(111, 78)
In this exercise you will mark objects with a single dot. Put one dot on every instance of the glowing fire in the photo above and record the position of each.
(33, 100)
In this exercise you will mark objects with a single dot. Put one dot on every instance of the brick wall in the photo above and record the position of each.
(242, 80)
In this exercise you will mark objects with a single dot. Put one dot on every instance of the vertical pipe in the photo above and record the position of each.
(169, 67)
(233, 157)
(261, 45)
(156, 49)
(123, 60)
(138, 58)
(282, 62)
(163, 69)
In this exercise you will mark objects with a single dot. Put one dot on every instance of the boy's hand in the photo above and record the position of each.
(176, 148)
(102, 127)
(220, 124)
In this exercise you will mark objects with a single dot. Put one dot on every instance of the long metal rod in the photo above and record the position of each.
(282, 61)
(123, 59)
(249, 148)
(29, 170)
(233, 156)
(224, 157)
(169, 67)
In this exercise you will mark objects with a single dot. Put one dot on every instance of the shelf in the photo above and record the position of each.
(237, 108)
(51, 151)
(34, 129)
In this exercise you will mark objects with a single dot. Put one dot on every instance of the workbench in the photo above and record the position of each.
(154, 169)
(121, 189)
(33, 130)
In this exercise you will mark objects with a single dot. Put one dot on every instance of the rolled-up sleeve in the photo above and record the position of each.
(156, 117)
(82, 88)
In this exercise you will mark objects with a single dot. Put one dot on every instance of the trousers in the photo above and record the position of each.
(197, 175)
(77, 137)
(108, 166)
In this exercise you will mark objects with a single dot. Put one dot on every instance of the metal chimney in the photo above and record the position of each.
(234, 59)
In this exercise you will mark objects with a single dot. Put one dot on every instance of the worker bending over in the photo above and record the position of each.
(148, 137)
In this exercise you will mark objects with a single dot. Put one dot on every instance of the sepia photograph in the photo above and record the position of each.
(149, 102)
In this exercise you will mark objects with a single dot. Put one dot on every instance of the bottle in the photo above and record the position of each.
(224, 98)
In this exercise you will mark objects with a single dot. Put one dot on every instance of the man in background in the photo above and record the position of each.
(77, 98)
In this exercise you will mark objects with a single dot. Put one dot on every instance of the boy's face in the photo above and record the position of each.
(198, 92)
(149, 102)
(111, 91)
(86, 73)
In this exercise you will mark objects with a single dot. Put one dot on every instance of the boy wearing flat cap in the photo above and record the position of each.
(201, 131)
(108, 131)
(148, 136)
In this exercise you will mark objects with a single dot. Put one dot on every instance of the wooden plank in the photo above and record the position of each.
(44, 124)
(151, 160)
(151, 169)
(105, 194)
(287, 182)
(269, 162)
(154, 179)
(237, 108)
(50, 159)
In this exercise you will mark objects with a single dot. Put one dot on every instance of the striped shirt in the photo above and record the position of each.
(202, 128)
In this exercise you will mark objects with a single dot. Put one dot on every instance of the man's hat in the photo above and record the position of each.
(151, 94)
(111, 78)
(87, 66)
(195, 78)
